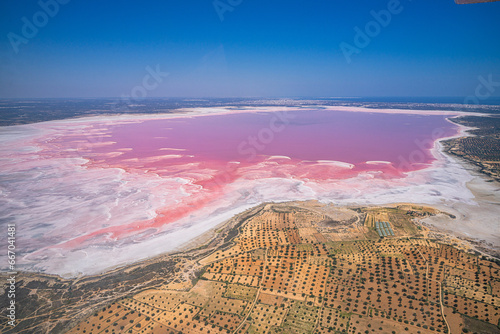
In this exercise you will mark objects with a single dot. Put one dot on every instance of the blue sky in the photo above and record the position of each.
(261, 48)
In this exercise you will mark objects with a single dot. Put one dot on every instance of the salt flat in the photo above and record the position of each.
(94, 193)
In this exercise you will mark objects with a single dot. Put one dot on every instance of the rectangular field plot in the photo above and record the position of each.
(238, 291)
(263, 317)
(113, 319)
(301, 318)
(271, 299)
(225, 320)
(333, 320)
(236, 279)
(164, 300)
(360, 325)
(223, 304)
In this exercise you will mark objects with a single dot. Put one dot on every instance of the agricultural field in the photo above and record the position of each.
(287, 271)
(484, 148)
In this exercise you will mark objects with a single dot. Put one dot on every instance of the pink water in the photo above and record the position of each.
(147, 184)
(212, 152)
(307, 136)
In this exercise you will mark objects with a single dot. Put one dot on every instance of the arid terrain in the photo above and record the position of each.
(299, 267)
(482, 149)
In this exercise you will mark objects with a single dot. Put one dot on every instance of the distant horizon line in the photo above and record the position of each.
(244, 97)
